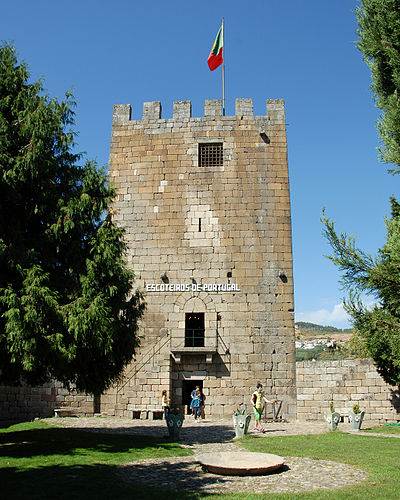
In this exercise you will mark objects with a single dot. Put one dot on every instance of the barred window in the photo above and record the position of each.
(194, 329)
(211, 154)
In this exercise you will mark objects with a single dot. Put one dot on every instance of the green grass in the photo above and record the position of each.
(38, 461)
(378, 456)
(385, 429)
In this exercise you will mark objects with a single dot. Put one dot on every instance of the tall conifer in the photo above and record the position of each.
(67, 308)
(379, 41)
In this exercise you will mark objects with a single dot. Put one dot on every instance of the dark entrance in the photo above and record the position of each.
(187, 387)
(194, 330)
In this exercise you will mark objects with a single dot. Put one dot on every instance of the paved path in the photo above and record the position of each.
(376, 434)
(184, 474)
(206, 431)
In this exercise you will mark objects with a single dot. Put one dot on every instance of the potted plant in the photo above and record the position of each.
(241, 421)
(333, 418)
(174, 420)
(356, 416)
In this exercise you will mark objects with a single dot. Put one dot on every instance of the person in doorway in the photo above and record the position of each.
(258, 400)
(165, 404)
(195, 403)
(202, 404)
(192, 396)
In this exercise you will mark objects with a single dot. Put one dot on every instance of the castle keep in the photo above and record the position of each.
(205, 206)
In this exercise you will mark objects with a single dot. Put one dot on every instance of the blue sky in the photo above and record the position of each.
(301, 50)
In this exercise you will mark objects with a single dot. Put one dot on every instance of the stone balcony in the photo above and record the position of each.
(189, 342)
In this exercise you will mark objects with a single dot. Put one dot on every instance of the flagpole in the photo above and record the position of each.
(223, 69)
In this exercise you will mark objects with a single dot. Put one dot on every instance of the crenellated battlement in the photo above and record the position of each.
(182, 111)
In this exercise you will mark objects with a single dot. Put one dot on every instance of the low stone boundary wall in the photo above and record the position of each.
(345, 382)
(18, 404)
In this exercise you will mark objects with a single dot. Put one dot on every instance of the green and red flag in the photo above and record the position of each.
(216, 58)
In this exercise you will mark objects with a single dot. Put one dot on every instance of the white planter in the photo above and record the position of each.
(241, 424)
(355, 420)
(333, 420)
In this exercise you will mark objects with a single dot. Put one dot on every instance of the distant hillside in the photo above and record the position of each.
(305, 326)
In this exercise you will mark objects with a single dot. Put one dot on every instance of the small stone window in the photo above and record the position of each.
(194, 329)
(211, 154)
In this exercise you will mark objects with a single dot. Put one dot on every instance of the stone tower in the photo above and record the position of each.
(206, 210)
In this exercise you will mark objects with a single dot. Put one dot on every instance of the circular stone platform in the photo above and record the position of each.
(240, 463)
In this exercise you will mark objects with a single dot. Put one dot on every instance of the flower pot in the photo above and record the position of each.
(355, 420)
(241, 424)
(174, 423)
(333, 420)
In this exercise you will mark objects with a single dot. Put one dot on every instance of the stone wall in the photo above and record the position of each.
(195, 224)
(24, 403)
(345, 382)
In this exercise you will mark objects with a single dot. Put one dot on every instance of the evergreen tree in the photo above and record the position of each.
(379, 327)
(379, 41)
(67, 308)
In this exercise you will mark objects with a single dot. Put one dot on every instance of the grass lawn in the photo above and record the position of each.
(380, 457)
(386, 429)
(39, 461)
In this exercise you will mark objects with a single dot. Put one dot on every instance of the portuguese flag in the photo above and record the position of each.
(215, 58)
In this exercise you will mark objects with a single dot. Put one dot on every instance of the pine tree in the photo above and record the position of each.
(379, 327)
(67, 306)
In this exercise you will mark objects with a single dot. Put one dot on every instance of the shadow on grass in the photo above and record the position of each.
(42, 462)
(182, 480)
(79, 482)
(61, 441)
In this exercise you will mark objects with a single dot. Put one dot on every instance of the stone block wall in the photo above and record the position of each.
(24, 403)
(345, 382)
(217, 224)
(143, 381)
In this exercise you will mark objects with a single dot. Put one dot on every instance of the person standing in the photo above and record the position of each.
(195, 403)
(165, 404)
(258, 399)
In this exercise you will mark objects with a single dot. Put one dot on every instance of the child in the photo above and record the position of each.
(165, 404)
(258, 399)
